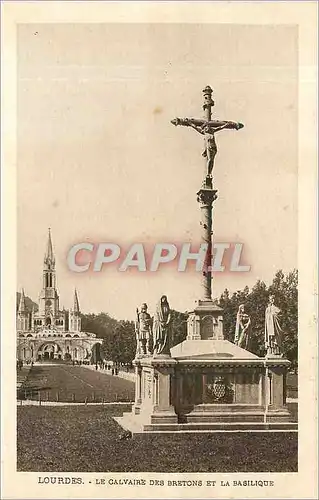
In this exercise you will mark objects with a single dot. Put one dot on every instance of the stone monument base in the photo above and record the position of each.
(209, 385)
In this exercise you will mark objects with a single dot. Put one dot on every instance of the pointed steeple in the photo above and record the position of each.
(76, 307)
(22, 305)
(49, 256)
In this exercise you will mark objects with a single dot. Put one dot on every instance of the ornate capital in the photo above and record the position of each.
(206, 196)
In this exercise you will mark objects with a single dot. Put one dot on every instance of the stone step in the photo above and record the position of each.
(137, 426)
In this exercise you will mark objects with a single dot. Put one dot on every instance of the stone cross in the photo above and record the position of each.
(206, 195)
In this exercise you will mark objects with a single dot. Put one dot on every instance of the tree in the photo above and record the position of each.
(101, 324)
(178, 326)
(120, 345)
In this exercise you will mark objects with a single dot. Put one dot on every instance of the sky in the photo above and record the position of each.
(99, 160)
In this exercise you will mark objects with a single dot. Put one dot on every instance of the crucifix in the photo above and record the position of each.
(208, 128)
(207, 195)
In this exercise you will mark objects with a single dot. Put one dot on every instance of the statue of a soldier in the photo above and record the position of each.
(143, 328)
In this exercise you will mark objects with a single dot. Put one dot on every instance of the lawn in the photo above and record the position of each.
(87, 439)
(74, 383)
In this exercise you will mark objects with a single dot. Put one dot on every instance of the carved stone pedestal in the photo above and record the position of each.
(209, 385)
(154, 386)
(205, 322)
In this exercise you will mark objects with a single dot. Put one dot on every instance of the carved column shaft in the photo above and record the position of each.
(206, 197)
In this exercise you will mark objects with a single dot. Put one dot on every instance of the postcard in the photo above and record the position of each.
(159, 267)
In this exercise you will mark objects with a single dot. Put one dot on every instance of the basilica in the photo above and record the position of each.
(46, 332)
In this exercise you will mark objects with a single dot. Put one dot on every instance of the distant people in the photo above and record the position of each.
(112, 371)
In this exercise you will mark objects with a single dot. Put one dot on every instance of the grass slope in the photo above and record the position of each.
(75, 383)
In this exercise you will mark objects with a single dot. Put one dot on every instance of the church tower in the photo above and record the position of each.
(49, 298)
(46, 333)
(75, 315)
(23, 315)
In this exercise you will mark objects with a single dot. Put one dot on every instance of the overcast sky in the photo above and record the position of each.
(98, 159)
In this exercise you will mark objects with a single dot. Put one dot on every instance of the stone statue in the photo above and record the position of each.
(143, 331)
(273, 331)
(243, 328)
(161, 328)
(208, 130)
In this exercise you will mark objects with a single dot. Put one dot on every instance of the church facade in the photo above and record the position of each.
(49, 333)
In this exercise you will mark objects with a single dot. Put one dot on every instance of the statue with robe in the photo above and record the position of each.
(273, 331)
(161, 328)
(243, 328)
(143, 331)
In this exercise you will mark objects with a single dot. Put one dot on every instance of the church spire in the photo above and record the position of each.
(22, 305)
(49, 259)
(76, 306)
(49, 278)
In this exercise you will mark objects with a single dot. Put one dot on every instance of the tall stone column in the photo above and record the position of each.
(206, 197)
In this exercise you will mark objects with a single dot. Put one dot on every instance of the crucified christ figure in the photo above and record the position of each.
(208, 130)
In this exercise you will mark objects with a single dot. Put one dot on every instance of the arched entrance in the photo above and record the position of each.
(49, 352)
